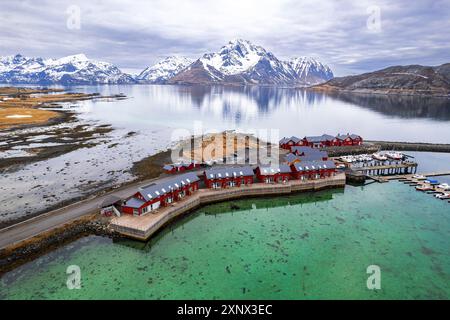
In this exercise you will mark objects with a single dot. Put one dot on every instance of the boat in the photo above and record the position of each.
(379, 156)
(424, 187)
(444, 186)
(394, 155)
(348, 159)
(432, 182)
(419, 177)
(365, 157)
(443, 196)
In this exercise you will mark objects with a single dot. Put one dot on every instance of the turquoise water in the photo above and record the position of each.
(304, 246)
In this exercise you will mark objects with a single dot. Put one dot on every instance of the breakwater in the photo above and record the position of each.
(411, 146)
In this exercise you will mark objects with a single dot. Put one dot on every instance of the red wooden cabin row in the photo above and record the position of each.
(324, 140)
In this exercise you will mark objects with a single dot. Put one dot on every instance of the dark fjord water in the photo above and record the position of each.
(304, 246)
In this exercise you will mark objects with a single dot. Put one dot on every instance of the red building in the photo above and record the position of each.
(327, 140)
(161, 194)
(228, 177)
(348, 140)
(324, 140)
(273, 174)
(307, 170)
(287, 143)
(180, 167)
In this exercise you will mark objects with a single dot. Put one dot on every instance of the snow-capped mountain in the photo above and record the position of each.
(241, 62)
(75, 69)
(164, 70)
(311, 71)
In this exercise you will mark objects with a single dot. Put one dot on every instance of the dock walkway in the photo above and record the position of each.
(143, 227)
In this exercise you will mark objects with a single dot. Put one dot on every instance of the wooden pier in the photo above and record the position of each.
(402, 168)
(143, 227)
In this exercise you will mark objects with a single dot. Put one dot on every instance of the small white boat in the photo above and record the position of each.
(348, 159)
(443, 196)
(444, 186)
(379, 156)
(424, 187)
(419, 177)
(340, 166)
(394, 155)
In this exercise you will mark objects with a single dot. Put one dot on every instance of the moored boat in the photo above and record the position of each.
(424, 187)
(443, 196)
(432, 182)
(419, 177)
(379, 156)
(444, 186)
(394, 155)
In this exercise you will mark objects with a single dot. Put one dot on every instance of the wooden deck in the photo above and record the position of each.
(143, 227)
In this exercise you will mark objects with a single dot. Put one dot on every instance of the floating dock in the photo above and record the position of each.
(143, 227)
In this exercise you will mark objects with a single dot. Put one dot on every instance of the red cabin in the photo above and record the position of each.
(271, 174)
(287, 143)
(180, 167)
(161, 194)
(324, 140)
(228, 177)
(309, 170)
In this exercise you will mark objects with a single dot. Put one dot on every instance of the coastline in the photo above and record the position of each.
(322, 88)
(30, 248)
(34, 247)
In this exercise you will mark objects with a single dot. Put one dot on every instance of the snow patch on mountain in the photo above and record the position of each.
(74, 69)
(164, 70)
(242, 62)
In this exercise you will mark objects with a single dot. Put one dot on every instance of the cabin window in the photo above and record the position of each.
(216, 185)
(135, 212)
(169, 200)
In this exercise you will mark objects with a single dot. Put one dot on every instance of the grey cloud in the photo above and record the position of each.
(135, 34)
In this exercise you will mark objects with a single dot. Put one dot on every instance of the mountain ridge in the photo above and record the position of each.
(73, 69)
(241, 62)
(408, 80)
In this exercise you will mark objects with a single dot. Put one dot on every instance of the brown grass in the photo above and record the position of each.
(217, 145)
(37, 116)
(25, 101)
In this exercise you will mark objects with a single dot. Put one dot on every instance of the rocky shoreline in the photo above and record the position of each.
(27, 250)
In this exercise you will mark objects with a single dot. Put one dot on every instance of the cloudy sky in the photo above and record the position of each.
(350, 36)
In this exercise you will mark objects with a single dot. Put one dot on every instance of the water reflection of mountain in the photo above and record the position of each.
(238, 102)
(406, 107)
(234, 100)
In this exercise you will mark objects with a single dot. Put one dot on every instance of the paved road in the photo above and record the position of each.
(34, 226)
